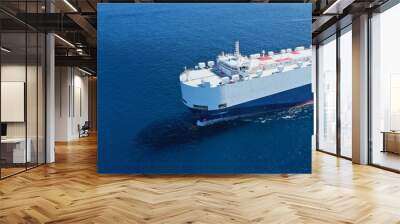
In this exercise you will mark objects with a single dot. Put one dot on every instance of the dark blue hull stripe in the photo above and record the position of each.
(280, 100)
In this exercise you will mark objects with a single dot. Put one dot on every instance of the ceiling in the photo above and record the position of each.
(75, 21)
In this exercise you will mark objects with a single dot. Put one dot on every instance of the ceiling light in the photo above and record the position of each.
(338, 6)
(5, 50)
(79, 51)
(65, 41)
(84, 71)
(70, 5)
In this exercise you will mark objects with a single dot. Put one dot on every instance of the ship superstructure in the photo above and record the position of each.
(236, 85)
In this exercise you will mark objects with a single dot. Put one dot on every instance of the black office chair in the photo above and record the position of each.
(84, 130)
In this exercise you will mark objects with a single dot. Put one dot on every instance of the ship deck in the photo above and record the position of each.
(195, 77)
(266, 64)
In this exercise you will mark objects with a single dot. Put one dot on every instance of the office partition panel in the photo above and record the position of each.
(385, 89)
(23, 88)
(31, 93)
(345, 93)
(327, 95)
(15, 149)
(41, 97)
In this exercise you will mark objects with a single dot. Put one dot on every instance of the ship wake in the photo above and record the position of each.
(292, 113)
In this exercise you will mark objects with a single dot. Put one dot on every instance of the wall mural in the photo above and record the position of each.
(204, 88)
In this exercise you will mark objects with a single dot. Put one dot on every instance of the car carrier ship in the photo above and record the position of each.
(237, 85)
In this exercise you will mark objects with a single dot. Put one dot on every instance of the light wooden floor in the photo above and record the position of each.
(70, 191)
(10, 171)
(387, 159)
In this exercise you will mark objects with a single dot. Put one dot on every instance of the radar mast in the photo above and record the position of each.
(237, 50)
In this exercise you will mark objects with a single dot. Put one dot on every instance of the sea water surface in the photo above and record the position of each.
(144, 126)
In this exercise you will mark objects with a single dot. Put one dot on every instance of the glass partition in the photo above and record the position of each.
(15, 150)
(327, 95)
(385, 89)
(23, 91)
(32, 95)
(31, 86)
(346, 92)
(41, 97)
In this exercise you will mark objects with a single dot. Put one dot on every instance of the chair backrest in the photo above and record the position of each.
(86, 124)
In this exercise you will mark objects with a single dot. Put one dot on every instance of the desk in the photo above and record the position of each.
(13, 150)
(391, 141)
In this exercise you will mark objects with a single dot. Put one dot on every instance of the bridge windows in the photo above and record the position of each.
(200, 107)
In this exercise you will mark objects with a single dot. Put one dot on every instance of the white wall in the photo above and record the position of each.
(17, 72)
(14, 72)
(71, 102)
(62, 82)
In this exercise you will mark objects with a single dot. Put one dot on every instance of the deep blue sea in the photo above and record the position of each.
(144, 126)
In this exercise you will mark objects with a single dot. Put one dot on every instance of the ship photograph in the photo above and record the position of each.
(237, 86)
(206, 88)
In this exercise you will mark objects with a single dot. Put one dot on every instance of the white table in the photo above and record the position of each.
(20, 155)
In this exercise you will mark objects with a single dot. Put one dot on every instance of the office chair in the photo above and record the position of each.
(84, 130)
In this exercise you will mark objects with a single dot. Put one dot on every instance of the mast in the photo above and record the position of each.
(237, 50)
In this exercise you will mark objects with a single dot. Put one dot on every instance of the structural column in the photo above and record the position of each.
(50, 92)
(50, 99)
(360, 90)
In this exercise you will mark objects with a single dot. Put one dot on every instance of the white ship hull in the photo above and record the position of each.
(274, 89)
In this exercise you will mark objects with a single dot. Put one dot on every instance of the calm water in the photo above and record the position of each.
(143, 125)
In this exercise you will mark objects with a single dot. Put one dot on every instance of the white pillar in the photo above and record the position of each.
(50, 99)
(360, 90)
(63, 99)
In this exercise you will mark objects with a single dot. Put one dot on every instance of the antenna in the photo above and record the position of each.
(237, 50)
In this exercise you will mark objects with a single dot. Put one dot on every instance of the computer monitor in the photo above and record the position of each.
(3, 129)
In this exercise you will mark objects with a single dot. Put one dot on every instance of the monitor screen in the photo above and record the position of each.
(3, 129)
